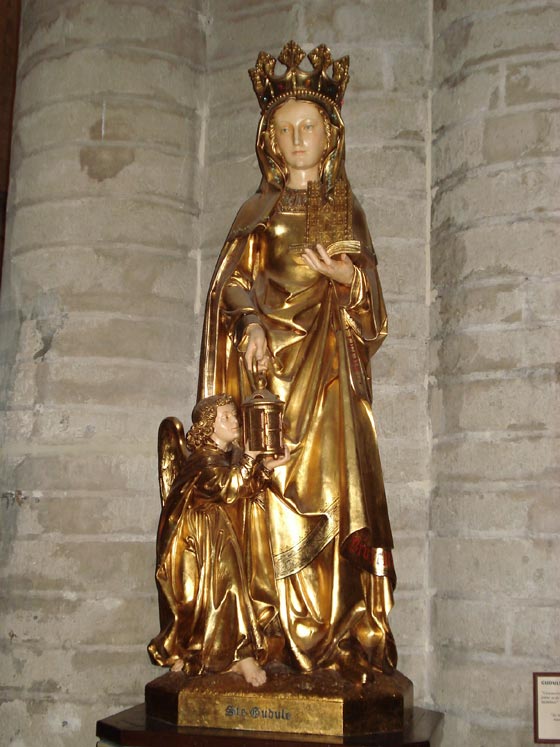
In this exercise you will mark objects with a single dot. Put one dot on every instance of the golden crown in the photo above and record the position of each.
(314, 85)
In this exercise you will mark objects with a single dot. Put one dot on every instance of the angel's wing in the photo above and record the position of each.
(172, 454)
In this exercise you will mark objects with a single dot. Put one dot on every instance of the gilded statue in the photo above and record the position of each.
(296, 294)
(284, 559)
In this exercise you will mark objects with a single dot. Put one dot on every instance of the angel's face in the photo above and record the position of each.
(226, 426)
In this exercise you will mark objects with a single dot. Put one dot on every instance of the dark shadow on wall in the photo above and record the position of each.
(10, 11)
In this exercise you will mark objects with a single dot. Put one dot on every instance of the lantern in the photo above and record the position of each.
(262, 419)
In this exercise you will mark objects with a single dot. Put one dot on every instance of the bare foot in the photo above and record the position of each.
(248, 668)
(178, 666)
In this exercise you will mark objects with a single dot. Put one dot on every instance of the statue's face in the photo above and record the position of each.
(226, 426)
(300, 134)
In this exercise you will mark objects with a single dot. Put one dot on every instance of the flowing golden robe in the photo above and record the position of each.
(214, 601)
(334, 580)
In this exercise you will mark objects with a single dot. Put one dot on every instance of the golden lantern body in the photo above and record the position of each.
(263, 419)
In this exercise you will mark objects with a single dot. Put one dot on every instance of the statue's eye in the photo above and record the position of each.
(308, 126)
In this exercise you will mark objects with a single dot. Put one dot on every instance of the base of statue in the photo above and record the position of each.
(132, 728)
(320, 703)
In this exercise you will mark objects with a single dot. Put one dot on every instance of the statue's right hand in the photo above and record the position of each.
(256, 348)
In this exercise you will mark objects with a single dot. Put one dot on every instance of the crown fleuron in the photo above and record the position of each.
(314, 85)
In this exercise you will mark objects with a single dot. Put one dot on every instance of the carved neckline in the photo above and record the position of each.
(292, 201)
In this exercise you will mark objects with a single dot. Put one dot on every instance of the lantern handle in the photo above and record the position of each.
(259, 379)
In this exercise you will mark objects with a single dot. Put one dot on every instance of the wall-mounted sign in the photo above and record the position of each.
(546, 707)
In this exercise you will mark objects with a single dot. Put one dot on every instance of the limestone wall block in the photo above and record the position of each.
(527, 134)
(79, 673)
(110, 118)
(536, 631)
(366, 67)
(100, 170)
(62, 723)
(229, 86)
(528, 188)
(83, 566)
(408, 620)
(483, 39)
(409, 69)
(393, 215)
(227, 9)
(244, 35)
(507, 404)
(531, 82)
(404, 267)
(88, 511)
(408, 503)
(488, 350)
(483, 508)
(217, 223)
(104, 382)
(414, 661)
(407, 318)
(472, 729)
(519, 567)
(91, 427)
(447, 11)
(481, 683)
(86, 72)
(457, 624)
(543, 300)
(365, 22)
(400, 411)
(384, 117)
(156, 26)
(231, 134)
(240, 177)
(400, 362)
(42, 29)
(119, 279)
(158, 341)
(404, 460)
(69, 620)
(465, 96)
(457, 151)
(66, 469)
(76, 221)
(410, 557)
(519, 248)
(393, 167)
(543, 513)
(476, 304)
(511, 457)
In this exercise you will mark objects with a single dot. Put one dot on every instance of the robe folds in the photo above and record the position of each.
(334, 579)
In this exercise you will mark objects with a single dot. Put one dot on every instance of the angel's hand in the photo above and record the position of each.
(271, 462)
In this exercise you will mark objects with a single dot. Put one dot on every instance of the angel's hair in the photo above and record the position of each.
(203, 419)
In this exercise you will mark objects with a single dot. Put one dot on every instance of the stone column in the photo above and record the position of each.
(100, 309)
(495, 517)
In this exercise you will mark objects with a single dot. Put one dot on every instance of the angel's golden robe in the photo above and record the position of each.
(214, 603)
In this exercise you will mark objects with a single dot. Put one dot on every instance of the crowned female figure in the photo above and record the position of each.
(296, 293)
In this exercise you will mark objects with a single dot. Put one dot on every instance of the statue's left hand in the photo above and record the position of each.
(340, 269)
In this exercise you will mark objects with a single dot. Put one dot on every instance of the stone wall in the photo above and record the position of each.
(494, 402)
(99, 344)
(134, 147)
